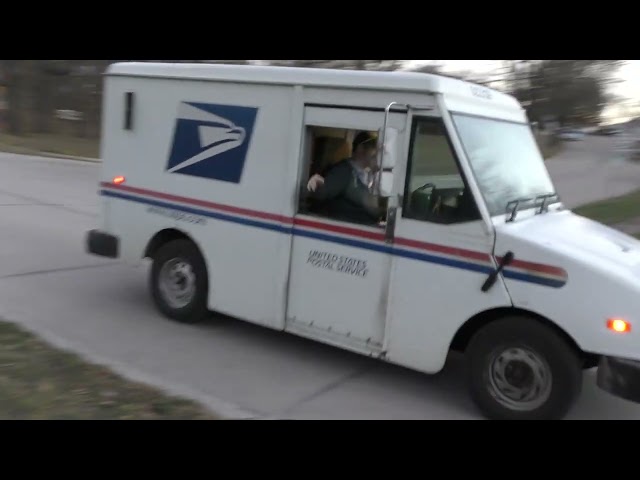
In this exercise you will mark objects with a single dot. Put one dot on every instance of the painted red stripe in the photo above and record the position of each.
(537, 267)
(200, 203)
(339, 229)
(468, 254)
(241, 211)
(458, 252)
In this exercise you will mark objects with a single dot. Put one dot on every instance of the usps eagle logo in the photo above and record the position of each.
(211, 141)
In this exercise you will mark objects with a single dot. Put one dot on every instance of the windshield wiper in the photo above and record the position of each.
(514, 210)
(544, 207)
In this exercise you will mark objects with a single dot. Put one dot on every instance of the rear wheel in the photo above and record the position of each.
(179, 283)
(520, 369)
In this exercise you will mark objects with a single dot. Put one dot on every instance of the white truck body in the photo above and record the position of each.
(220, 154)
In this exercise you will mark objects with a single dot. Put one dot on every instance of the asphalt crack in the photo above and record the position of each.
(36, 202)
(326, 389)
(30, 205)
(57, 270)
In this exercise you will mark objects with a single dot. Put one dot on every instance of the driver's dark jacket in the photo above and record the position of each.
(343, 196)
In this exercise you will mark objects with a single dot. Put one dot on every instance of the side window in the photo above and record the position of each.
(346, 194)
(435, 189)
(324, 147)
(328, 146)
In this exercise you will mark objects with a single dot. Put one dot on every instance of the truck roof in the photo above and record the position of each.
(314, 77)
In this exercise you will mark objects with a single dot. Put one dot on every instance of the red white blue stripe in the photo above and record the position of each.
(529, 271)
(351, 236)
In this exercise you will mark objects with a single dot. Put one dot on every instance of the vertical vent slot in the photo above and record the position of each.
(128, 110)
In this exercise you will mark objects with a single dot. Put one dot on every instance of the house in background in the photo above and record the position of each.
(627, 138)
(631, 128)
(548, 123)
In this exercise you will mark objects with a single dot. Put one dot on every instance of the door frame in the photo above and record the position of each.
(347, 117)
(438, 113)
(396, 202)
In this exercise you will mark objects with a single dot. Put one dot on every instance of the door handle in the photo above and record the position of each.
(493, 276)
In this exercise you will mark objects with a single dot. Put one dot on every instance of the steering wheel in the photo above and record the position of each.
(417, 190)
(424, 187)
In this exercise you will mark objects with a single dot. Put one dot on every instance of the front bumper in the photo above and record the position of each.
(620, 377)
(102, 244)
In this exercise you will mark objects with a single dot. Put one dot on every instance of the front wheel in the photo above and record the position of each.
(520, 369)
(179, 282)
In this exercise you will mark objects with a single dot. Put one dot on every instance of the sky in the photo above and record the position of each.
(628, 87)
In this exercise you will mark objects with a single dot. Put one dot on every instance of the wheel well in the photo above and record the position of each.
(475, 323)
(163, 237)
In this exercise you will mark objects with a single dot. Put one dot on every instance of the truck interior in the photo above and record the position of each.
(326, 146)
(435, 191)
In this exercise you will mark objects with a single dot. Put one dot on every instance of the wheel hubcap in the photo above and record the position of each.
(519, 379)
(177, 282)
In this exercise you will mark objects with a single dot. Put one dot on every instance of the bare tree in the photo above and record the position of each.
(573, 91)
(47, 74)
(14, 75)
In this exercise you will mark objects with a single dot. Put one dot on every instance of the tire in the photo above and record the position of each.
(513, 349)
(188, 303)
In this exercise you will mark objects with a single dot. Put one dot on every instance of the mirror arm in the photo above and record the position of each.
(381, 147)
(383, 140)
(394, 204)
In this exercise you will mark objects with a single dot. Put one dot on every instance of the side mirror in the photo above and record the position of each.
(386, 184)
(390, 148)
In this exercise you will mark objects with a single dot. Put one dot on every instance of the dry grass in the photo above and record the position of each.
(613, 210)
(42, 144)
(38, 381)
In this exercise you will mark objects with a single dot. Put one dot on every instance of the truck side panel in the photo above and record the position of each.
(206, 159)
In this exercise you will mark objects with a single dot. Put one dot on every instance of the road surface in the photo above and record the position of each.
(593, 169)
(101, 309)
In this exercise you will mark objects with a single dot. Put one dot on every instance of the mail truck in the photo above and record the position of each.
(205, 170)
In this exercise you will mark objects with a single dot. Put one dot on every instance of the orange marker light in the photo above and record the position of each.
(618, 325)
(118, 180)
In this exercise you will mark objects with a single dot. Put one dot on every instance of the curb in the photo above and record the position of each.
(35, 153)
(64, 157)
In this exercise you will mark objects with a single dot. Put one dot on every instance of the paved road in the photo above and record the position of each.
(101, 309)
(593, 169)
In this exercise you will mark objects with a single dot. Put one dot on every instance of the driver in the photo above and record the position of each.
(344, 190)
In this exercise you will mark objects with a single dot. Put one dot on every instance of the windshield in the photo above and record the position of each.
(505, 160)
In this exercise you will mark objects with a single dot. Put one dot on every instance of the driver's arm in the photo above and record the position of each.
(335, 183)
(359, 195)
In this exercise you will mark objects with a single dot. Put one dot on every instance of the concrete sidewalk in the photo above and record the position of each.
(592, 170)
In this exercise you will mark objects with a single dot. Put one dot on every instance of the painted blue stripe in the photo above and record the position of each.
(447, 262)
(376, 247)
(204, 213)
(382, 248)
(547, 282)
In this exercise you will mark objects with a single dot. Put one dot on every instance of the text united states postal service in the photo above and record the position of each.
(338, 263)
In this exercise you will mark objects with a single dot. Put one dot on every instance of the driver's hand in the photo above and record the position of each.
(315, 182)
